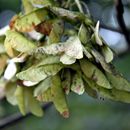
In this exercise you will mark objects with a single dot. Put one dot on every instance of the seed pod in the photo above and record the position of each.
(18, 42)
(108, 54)
(32, 104)
(19, 94)
(83, 34)
(66, 81)
(77, 84)
(92, 72)
(59, 99)
(118, 82)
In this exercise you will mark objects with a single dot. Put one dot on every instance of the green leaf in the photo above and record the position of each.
(92, 72)
(18, 42)
(90, 91)
(37, 74)
(2, 49)
(122, 96)
(70, 16)
(10, 89)
(19, 94)
(113, 94)
(96, 34)
(83, 34)
(67, 60)
(108, 54)
(56, 32)
(59, 99)
(8, 48)
(42, 86)
(26, 23)
(27, 6)
(49, 60)
(87, 53)
(42, 2)
(3, 62)
(32, 104)
(118, 82)
(72, 48)
(46, 96)
(66, 80)
(77, 84)
(107, 67)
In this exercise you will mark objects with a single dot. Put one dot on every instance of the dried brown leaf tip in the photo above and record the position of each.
(65, 114)
(12, 21)
(44, 27)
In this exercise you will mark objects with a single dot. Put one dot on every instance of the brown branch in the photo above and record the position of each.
(120, 19)
(111, 28)
(15, 118)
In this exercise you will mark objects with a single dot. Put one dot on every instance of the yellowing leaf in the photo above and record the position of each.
(18, 42)
(27, 6)
(26, 23)
(42, 2)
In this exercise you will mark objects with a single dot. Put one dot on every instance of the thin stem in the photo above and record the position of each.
(86, 8)
(79, 6)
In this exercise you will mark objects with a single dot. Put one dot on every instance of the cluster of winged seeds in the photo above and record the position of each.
(49, 52)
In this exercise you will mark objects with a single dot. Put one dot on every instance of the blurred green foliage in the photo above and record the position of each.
(13, 5)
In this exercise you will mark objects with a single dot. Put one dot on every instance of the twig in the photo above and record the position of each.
(6, 122)
(79, 6)
(111, 28)
(120, 19)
